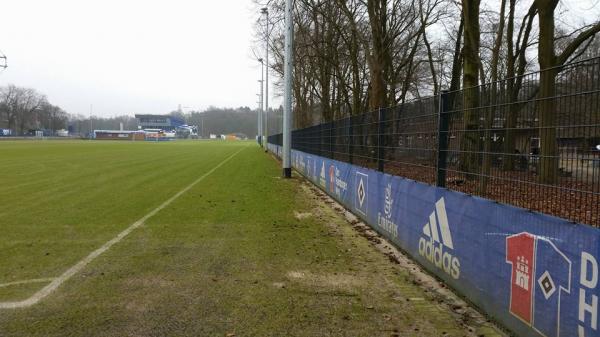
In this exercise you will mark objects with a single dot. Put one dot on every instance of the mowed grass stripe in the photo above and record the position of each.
(110, 186)
(60, 171)
(47, 290)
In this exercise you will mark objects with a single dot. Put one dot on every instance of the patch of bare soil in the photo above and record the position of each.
(332, 281)
(302, 215)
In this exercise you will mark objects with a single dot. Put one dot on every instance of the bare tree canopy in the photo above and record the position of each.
(358, 55)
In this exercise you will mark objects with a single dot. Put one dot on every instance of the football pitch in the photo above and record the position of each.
(188, 238)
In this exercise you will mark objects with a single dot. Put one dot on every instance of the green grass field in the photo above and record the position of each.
(228, 256)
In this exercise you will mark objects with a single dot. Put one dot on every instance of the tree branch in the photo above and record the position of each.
(580, 39)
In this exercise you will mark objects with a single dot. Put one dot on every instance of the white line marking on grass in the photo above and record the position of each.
(47, 290)
(36, 280)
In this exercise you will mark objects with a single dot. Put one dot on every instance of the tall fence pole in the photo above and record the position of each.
(332, 140)
(321, 138)
(261, 141)
(287, 107)
(266, 100)
(442, 150)
(350, 139)
(380, 140)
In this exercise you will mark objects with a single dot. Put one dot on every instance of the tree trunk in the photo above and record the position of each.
(493, 100)
(469, 161)
(434, 78)
(377, 18)
(549, 63)
(508, 160)
(516, 66)
(456, 66)
(547, 111)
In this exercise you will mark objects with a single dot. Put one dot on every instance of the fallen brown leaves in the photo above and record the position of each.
(570, 199)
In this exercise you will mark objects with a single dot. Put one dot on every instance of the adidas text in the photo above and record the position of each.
(436, 244)
(434, 252)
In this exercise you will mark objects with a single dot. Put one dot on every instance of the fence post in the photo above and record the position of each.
(380, 140)
(442, 148)
(332, 140)
(321, 138)
(350, 139)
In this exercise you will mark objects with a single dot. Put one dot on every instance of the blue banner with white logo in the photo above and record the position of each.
(534, 273)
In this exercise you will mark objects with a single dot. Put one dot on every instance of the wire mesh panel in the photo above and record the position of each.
(530, 141)
(520, 146)
(411, 140)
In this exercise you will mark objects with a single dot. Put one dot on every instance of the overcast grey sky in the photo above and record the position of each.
(131, 56)
(145, 56)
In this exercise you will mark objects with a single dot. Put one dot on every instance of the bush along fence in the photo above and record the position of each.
(484, 189)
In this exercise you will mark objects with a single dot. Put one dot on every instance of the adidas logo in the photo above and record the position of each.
(437, 241)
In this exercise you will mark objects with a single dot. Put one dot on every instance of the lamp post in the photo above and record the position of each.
(287, 105)
(261, 102)
(91, 124)
(265, 12)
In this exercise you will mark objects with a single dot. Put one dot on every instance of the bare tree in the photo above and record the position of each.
(471, 66)
(550, 62)
(25, 108)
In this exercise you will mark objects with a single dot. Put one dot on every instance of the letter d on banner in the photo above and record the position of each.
(588, 279)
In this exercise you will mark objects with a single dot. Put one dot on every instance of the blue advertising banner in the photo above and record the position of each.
(534, 273)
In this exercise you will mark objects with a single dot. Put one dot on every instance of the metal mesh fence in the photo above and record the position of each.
(518, 141)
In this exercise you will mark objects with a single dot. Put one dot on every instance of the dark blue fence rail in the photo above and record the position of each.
(536, 274)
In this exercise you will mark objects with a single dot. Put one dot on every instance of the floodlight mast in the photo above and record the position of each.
(261, 99)
(265, 11)
(91, 125)
(287, 78)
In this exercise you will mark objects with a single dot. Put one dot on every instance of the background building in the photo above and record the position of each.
(118, 135)
(163, 122)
